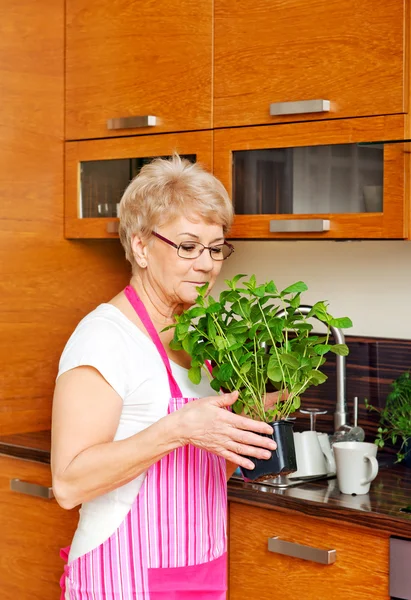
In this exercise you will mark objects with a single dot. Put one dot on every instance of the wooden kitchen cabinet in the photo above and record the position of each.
(98, 171)
(352, 54)
(359, 571)
(127, 58)
(317, 180)
(33, 530)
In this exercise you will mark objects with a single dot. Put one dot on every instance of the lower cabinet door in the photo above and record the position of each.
(357, 570)
(32, 531)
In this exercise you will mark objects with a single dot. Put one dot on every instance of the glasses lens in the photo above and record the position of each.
(220, 252)
(190, 249)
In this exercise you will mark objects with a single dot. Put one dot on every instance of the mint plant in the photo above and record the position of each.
(250, 346)
(395, 417)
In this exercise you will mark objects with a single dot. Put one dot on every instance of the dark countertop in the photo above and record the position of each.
(380, 509)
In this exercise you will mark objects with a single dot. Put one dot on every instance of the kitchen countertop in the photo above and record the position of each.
(380, 509)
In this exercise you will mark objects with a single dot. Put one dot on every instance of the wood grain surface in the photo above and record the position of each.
(47, 283)
(360, 570)
(32, 532)
(199, 143)
(127, 58)
(353, 54)
(392, 223)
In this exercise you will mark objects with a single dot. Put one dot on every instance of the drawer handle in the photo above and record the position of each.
(299, 107)
(132, 122)
(300, 226)
(31, 489)
(112, 227)
(317, 555)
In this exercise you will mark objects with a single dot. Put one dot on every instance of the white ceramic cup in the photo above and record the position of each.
(356, 466)
(311, 454)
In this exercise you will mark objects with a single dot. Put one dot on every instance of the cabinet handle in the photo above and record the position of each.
(299, 226)
(31, 489)
(299, 107)
(132, 122)
(112, 227)
(324, 557)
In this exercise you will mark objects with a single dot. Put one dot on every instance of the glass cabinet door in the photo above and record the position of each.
(324, 179)
(98, 172)
(102, 183)
(340, 178)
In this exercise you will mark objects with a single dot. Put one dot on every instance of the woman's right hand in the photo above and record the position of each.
(207, 424)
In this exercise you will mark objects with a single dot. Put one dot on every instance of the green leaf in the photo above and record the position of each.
(317, 377)
(298, 287)
(213, 308)
(194, 375)
(342, 322)
(271, 288)
(319, 310)
(175, 345)
(260, 291)
(340, 349)
(289, 360)
(220, 342)
(196, 311)
(202, 290)
(274, 373)
(231, 283)
(215, 385)
(226, 372)
(211, 330)
(245, 368)
(321, 349)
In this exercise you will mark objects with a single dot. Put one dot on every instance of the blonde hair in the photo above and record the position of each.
(165, 189)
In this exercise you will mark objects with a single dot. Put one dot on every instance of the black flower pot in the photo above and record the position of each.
(282, 461)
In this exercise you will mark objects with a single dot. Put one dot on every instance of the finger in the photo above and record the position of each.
(227, 399)
(250, 424)
(252, 439)
(254, 451)
(236, 459)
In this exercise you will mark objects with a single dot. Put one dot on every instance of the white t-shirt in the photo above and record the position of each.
(129, 361)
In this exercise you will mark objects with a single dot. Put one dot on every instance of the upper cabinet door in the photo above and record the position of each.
(284, 61)
(137, 66)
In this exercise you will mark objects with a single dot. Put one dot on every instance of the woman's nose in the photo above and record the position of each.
(204, 262)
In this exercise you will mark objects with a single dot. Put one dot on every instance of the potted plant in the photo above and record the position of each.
(251, 347)
(395, 418)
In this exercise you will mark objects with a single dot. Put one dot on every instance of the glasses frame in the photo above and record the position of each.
(209, 248)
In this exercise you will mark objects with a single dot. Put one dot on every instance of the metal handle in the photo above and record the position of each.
(299, 107)
(132, 122)
(31, 489)
(112, 227)
(299, 226)
(324, 557)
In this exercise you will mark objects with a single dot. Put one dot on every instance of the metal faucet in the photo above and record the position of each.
(340, 415)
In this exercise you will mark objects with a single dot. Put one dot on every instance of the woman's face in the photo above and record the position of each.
(176, 278)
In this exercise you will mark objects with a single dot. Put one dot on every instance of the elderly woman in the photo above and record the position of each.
(132, 442)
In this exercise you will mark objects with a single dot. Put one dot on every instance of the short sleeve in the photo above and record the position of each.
(98, 343)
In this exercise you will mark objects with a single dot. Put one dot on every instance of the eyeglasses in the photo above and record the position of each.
(192, 250)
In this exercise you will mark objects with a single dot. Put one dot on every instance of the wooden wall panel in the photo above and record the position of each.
(47, 283)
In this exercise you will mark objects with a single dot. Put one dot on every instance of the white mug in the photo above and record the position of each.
(356, 466)
(313, 456)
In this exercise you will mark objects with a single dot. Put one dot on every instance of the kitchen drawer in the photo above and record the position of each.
(360, 570)
(33, 529)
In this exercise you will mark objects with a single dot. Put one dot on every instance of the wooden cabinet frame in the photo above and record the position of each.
(199, 143)
(392, 223)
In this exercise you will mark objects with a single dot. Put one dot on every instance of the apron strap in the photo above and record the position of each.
(141, 310)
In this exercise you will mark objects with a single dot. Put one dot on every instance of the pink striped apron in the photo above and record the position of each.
(172, 543)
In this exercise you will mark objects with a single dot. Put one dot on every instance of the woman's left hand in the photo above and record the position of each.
(272, 398)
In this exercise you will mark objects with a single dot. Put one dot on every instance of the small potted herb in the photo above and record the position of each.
(395, 418)
(250, 347)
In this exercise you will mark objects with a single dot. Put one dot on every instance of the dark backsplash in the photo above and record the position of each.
(373, 363)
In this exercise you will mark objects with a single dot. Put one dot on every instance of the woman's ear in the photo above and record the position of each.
(139, 250)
